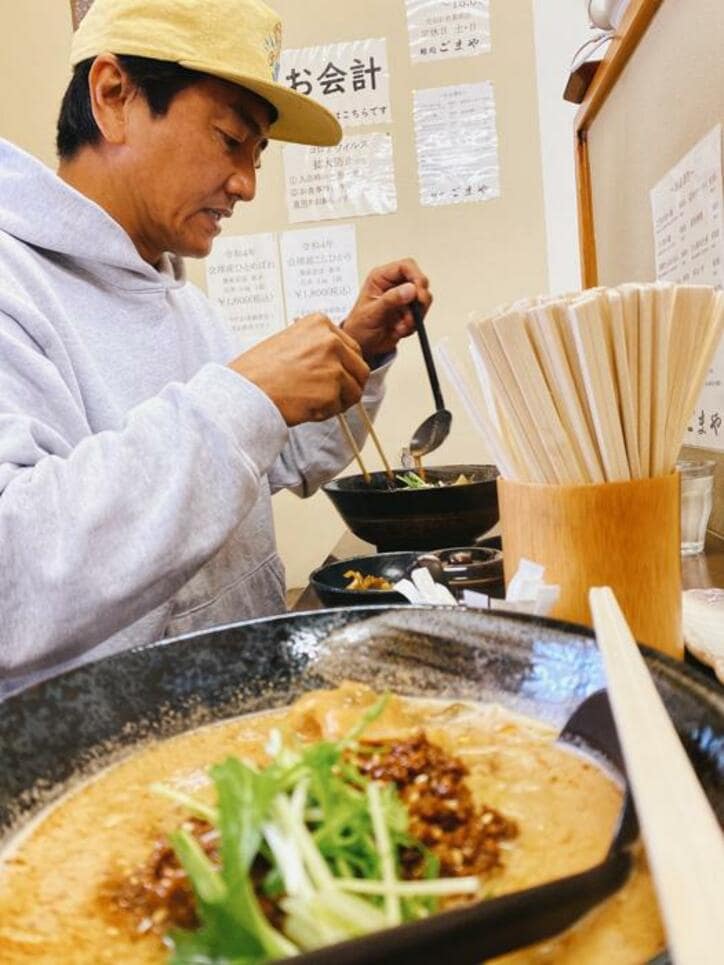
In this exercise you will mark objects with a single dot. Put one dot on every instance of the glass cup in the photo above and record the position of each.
(697, 493)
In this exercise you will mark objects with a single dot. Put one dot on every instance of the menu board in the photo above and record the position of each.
(688, 217)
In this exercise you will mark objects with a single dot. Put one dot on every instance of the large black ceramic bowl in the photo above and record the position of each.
(395, 518)
(67, 728)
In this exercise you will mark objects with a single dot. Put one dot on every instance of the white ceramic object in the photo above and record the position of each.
(703, 617)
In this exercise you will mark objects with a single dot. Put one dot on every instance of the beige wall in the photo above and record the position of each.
(477, 255)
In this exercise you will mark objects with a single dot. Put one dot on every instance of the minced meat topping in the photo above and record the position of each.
(464, 836)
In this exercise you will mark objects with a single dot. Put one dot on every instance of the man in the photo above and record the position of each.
(137, 456)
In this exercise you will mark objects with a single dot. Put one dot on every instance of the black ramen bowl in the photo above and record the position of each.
(76, 724)
(332, 586)
(397, 518)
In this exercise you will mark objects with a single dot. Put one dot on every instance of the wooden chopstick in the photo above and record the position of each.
(663, 298)
(623, 376)
(525, 366)
(646, 325)
(694, 331)
(371, 429)
(546, 338)
(354, 447)
(527, 439)
(589, 324)
(684, 844)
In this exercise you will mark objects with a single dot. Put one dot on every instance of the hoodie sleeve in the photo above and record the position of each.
(316, 452)
(98, 529)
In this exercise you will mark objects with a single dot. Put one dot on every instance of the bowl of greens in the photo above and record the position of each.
(451, 506)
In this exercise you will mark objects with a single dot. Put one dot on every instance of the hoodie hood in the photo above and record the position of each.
(40, 209)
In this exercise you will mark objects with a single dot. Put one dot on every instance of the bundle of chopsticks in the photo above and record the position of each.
(592, 387)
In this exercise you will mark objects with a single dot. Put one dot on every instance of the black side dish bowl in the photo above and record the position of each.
(58, 733)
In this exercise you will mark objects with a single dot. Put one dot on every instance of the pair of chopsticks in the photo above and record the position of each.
(594, 386)
(355, 448)
(684, 843)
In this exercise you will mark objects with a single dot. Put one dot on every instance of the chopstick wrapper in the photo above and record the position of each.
(527, 593)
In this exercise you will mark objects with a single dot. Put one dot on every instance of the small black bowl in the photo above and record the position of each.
(330, 583)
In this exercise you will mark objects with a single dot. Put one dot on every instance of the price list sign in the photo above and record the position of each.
(320, 271)
(352, 80)
(243, 280)
(441, 29)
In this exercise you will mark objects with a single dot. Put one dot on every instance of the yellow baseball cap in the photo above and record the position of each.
(236, 40)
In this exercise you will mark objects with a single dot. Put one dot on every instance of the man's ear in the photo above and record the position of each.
(111, 93)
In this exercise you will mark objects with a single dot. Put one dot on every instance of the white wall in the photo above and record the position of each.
(561, 26)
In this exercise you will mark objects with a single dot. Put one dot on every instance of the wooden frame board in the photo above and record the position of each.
(694, 65)
(638, 16)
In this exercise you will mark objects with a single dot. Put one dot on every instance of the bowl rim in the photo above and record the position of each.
(333, 485)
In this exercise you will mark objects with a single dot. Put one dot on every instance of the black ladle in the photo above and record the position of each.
(486, 929)
(434, 430)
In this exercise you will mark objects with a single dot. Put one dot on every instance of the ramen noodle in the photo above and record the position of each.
(59, 878)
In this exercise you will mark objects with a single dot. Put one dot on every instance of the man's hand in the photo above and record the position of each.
(381, 315)
(311, 370)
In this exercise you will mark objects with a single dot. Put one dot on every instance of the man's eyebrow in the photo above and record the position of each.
(247, 119)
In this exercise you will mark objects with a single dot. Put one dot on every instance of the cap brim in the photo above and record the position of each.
(301, 120)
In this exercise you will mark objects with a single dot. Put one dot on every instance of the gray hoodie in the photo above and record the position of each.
(135, 468)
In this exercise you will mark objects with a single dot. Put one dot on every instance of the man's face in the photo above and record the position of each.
(186, 169)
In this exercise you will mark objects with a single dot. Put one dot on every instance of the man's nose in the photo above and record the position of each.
(242, 183)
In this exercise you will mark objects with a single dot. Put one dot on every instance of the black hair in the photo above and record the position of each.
(159, 81)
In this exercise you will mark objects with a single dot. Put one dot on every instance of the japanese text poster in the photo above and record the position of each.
(352, 80)
(320, 271)
(688, 215)
(243, 280)
(457, 144)
(354, 178)
(440, 29)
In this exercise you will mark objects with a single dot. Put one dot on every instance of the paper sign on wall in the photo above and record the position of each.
(355, 178)
(243, 279)
(352, 80)
(440, 29)
(320, 271)
(457, 144)
(688, 215)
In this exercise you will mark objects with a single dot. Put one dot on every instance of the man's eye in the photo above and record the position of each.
(230, 142)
